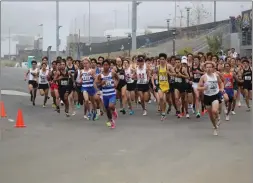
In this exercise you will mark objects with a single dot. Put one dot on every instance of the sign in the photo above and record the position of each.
(247, 18)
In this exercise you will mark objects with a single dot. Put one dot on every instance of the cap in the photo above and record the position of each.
(184, 60)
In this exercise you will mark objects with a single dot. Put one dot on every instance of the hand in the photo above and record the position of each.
(205, 86)
(103, 83)
(154, 87)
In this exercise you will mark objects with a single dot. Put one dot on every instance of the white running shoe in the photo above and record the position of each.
(225, 111)
(73, 113)
(149, 101)
(233, 112)
(145, 113)
(227, 117)
(239, 104)
(215, 132)
(187, 116)
(85, 117)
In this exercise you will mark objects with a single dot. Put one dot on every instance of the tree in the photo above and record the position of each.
(184, 51)
(214, 43)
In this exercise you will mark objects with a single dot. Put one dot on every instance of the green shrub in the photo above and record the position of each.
(184, 51)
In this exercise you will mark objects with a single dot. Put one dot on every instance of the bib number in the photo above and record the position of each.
(43, 79)
(247, 78)
(108, 83)
(64, 82)
(163, 78)
(121, 77)
(196, 76)
(178, 80)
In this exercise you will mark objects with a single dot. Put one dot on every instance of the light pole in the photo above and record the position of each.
(57, 28)
(135, 3)
(252, 29)
(129, 36)
(174, 41)
(168, 26)
(108, 44)
(214, 11)
(9, 36)
(188, 19)
(58, 40)
(41, 36)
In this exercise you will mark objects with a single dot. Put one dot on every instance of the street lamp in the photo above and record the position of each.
(108, 42)
(129, 36)
(174, 41)
(168, 26)
(58, 40)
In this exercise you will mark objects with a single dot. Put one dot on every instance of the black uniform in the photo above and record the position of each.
(64, 84)
(247, 79)
(122, 79)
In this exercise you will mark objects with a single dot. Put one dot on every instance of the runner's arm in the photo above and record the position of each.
(201, 86)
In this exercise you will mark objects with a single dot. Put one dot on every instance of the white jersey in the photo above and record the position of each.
(43, 77)
(78, 79)
(129, 75)
(31, 77)
(142, 77)
(212, 85)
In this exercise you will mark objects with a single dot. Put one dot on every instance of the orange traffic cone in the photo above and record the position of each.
(20, 120)
(2, 110)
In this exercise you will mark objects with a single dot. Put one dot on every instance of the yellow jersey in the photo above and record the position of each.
(163, 79)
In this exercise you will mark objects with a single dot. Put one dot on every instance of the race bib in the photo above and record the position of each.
(196, 76)
(108, 83)
(228, 84)
(178, 80)
(86, 78)
(121, 77)
(247, 78)
(64, 82)
(43, 79)
(163, 78)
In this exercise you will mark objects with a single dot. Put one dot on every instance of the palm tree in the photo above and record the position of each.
(214, 43)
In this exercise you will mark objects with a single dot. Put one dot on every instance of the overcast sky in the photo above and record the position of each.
(24, 18)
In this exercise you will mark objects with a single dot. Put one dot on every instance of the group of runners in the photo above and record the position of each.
(202, 83)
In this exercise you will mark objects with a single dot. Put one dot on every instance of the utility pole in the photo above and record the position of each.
(89, 26)
(57, 28)
(9, 37)
(175, 16)
(128, 16)
(214, 11)
(251, 28)
(134, 23)
(168, 26)
(188, 15)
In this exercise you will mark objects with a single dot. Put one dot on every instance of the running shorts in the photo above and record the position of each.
(111, 99)
(63, 90)
(90, 90)
(54, 86)
(131, 86)
(230, 93)
(121, 84)
(43, 86)
(143, 87)
(247, 86)
(208, 100)
(33, 83)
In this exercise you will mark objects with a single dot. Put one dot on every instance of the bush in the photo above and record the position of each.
(8, 63)
(184, 51)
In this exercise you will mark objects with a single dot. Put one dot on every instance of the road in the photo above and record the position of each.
(53, 148)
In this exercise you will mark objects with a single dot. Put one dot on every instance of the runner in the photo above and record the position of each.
(197, 72)
(88, 89)
(65, 85)
(43, 82)
(143, 75)
(33, 80)
(54, 86)
(122, 85)
(129, 73)
(247, 82)
(209, 83)
(108, 80)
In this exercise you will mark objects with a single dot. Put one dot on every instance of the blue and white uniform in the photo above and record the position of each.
(109, 92)
(88, 83)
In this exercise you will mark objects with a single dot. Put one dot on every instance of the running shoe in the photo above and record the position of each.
(227, 117)
(67, 113)
(86, 117)
(58, 109)
(149, 101)
(53, 106)
(108, 124)
(215, 132)
(123, 111)
(168, 111)
(43, 106)
(198, 115)
(78, 106)
(115, 114)
(144, 113)
(187, 116)
(89, 116)
(233, 112)
(73, 113)
(163, 117)
(62, 103)
(113, 124)
(131, 112)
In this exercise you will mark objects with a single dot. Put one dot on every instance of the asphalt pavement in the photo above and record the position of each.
(53, 148)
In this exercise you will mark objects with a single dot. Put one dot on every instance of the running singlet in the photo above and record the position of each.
(31, 76)
(87, 79)
(228, 80)
(64, 81)
(108, 89)
(142, 77)
(196, 76)
(78, 79)
(72, 70)
(129, 75)
(43, 77)
(247, 77)
(212, 85)
(121, 74)
(163, 79)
